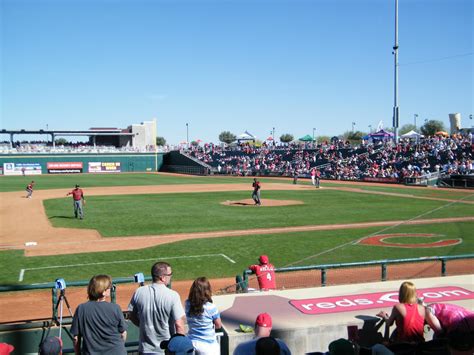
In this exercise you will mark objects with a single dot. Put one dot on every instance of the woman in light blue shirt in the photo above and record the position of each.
(203, 318)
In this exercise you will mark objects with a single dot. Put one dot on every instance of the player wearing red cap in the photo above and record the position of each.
(265, 273)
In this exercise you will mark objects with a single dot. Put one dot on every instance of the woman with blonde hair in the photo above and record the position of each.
(99, 324)
(203, 318)
(408, 315)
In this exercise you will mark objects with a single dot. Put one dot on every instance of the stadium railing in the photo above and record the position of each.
(243, 281)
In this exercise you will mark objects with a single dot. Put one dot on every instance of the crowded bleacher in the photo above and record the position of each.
(341, 160)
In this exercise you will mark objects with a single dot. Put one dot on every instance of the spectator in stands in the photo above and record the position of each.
(6, 349)
(98, 323)
(263, 328)
(203, 318)
(265, 273)
(444, 318)
(408, 315)
(157, 310)
(267, 346)
(341, 347)
(179, 344)
(51, 346)
(461, 339)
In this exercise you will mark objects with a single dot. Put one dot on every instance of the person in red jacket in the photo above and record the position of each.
(265, 273)
(79, 201)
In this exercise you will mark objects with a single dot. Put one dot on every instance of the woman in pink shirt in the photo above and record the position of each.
(408, 315)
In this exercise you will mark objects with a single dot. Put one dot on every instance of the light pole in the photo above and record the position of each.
(273, 135)
(396, 109)
(187, 134)
(314, 129)
(353, 124)
(415, 116)
(370, 128)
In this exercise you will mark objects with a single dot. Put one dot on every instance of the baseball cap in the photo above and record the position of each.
(263, 259)
(6, 349)
(77, 186)
(179, 344)
(51, 346)
(264, 320)
(341, 347)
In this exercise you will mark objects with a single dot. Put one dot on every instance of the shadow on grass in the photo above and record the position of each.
(62, 217)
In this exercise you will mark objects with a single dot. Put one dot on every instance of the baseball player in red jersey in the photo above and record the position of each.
(78, 197)
(265, 274)
(29, 189)
(256, 191)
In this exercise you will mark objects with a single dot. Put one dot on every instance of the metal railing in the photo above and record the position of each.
(243, 281)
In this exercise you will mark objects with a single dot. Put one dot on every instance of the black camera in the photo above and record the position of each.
(60, 284)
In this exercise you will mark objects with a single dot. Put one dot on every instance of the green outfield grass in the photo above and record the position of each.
(126, 215)
(283, 249)
(131, 215)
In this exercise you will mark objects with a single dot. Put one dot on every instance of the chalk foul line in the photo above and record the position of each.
(22, 271)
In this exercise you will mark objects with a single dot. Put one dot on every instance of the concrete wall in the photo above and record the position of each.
(145, 134)
(307, 332)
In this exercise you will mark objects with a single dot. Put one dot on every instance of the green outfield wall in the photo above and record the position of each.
(33, 164)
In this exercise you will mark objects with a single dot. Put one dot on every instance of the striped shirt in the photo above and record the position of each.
(201, 328)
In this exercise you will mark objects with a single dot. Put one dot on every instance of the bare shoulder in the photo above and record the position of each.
(399, 308)
(421, 310)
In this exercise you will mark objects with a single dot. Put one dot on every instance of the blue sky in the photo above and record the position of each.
(232, 65)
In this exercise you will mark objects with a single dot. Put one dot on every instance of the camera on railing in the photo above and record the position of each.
(138, 277)
(60, 284)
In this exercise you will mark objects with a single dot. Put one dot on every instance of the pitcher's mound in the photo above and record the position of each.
(265, 203)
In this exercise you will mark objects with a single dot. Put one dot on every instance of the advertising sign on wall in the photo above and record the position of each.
(64, 167)
(385, 180)
(104, 167)
(376, 300)
(21, 169)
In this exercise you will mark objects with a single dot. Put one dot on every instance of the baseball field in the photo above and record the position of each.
(208, 225)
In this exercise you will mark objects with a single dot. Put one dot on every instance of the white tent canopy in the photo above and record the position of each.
(246, 136)
(412, 134)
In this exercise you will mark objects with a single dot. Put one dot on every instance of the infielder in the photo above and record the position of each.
(29, 189)
(78, 198)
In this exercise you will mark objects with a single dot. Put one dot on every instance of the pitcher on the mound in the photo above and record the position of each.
(256, 191)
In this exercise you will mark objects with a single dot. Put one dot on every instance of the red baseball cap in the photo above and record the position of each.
(264, 320)
(6, 349)
(263, 259)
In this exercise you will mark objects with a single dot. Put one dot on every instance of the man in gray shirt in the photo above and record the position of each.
(156, 310)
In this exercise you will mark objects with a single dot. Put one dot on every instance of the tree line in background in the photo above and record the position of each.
(429, 128)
